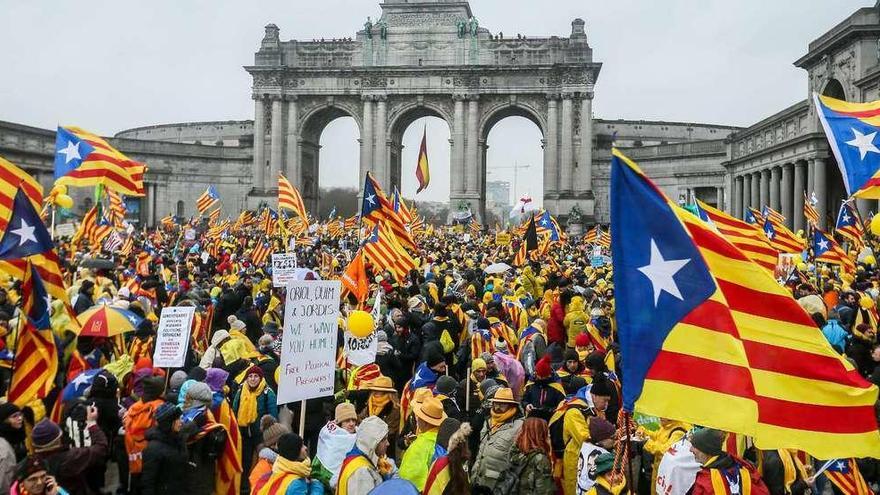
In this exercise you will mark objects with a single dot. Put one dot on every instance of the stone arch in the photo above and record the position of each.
(312, 124)
(834, 89)
(501, 111)
(398, 123)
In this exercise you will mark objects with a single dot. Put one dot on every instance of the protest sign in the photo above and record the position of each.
(65, 230)
(361, 351)
(502, 239)
(586, 476)
(172, 337)
(308, 345)
(283, 268)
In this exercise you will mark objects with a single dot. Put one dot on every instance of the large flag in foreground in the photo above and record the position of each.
(851, 129)
(84, 159)
(708, 337)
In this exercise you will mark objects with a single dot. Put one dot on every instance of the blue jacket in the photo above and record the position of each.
(304, 487)
(836, 335)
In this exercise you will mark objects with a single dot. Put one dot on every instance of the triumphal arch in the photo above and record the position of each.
(425, 58)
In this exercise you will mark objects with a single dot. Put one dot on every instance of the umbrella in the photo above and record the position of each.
(497, 268)
(107, 321)
(396, 486)
(98, 264)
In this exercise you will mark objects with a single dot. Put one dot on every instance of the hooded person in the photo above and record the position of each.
(70, 464)
(497, 440)
(31, 477)
(138, 419)
(361, 470)
(335, 440)
(165, 458)
(195, 375)
(544, 393)
(216, 379)
(417, 458)
(446, 392)
(573, 374)
(290, 471)
(12, 443)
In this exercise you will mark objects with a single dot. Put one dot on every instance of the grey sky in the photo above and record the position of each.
(111, 64)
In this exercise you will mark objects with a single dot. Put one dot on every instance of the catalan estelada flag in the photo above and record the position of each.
(845, 475)
(826, 250)
(710, 338)
(376, 208)
(782, 239)
(85, 159)
(290, 199)
(851, 129)
(36, 357)
(207, 200)
(385, 253)
(747, 237)
(12, 179)
(422, 173)
(810, 211)
(849, 225)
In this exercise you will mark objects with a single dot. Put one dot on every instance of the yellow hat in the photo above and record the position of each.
(504, 395)
(430, 411)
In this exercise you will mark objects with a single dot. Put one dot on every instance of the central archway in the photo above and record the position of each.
(343, 132)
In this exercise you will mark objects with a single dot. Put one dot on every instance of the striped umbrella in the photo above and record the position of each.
(107, 321)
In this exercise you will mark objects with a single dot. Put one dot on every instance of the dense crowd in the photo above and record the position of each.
(504, 382)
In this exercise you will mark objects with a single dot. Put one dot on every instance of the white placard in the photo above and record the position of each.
(172, 337)
(65, 230)
(361, 351)
(308, 344)
(283, 268)
(586, 476)
(189, 234)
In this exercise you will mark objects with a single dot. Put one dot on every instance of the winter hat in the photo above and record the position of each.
(543, 368)
(446, 385)
(433, 357)
(601, 388)
(604, 462)
(708, 441)
(8, 409)
(370, 432)
(30, 465)
(46, 436)
(487, 358)
(488, 387)
(197, 374)
(272, 430)
(166, 414)
(381, 336)
(596, 361)
(255, 370)
(582, 340)
(447, 428)
(289, 446)
(104, 385)
(478, 364)
(483, 324)
(237, 325)
(153, 388)
(345, 411)
(200, 394)
(216, 378)
(570, 355)
(600, 429)
(177, 379)
(230, 319)
(501, 346)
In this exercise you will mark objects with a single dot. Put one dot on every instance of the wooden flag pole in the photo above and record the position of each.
(302, 419)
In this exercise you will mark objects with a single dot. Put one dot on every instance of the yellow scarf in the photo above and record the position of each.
(377, 402)
(499, 419)
(285, 472)
(247, 403)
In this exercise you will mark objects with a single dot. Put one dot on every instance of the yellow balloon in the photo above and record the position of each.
(870, 260)
(875, 225)
(59, 189)
(802, 266)
(64, 201)
(360, 324)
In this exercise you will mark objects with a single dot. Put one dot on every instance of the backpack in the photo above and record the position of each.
(508, 482)
(141, 416)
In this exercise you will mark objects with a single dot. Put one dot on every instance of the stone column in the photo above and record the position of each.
(719, 198)
(458, 176)
(259, 143)
(380, 162)
(738, 187)
(291, 169)
(821, 190)
(798, 195)
(149, 204)
(367, 140)
(756, 190)
(277, 145)
(551, 161)
(786, 201)
(473, 146)
(775, 180)
(585, 160)
(765, 188)
(746, 195)
(811, 179)
(566, 157)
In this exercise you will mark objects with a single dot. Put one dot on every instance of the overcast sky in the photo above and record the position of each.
(109, 65)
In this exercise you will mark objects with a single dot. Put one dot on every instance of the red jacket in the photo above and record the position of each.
(556, 327)
(703, 483)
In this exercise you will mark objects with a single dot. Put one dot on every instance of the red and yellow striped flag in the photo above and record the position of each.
(810, 212)
(782, 239)
(36, 357)
(228, 477)
(423, 174)
(260, 253)
(383, 250)
(12, 179)
(117, 208)
(710, 338)
(83, 159)
(290, 199)
(747, 237)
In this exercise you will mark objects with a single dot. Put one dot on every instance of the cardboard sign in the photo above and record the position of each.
(308, 345)
(502, 239)
(283, 268)
(172, 337)
(65, 230)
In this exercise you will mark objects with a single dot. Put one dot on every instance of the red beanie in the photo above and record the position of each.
(582, 340)
(542, 367)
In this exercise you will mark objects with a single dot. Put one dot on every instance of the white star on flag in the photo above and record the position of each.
(79, 380)
(864, 142)
(71, 152)
(845, 218)
(823, 244)
(25, 233)
(661, 272)
(372, 199)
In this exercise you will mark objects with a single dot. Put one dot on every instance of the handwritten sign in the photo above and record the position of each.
(308, 345)
(65, 230)
(502, 239)
(172, 337)
(283, 268)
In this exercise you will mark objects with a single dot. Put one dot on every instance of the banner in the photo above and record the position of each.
(172, 336)
(283, 268)
(363, 351)
(586, 476)
(308, 344)
(502, 239)
(678, 469)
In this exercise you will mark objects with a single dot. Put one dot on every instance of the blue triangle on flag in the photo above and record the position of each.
(26, 234)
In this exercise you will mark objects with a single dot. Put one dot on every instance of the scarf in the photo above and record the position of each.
(497, 420)
(377, 402)
(735, 480)
(247, 403)
(285, 472)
